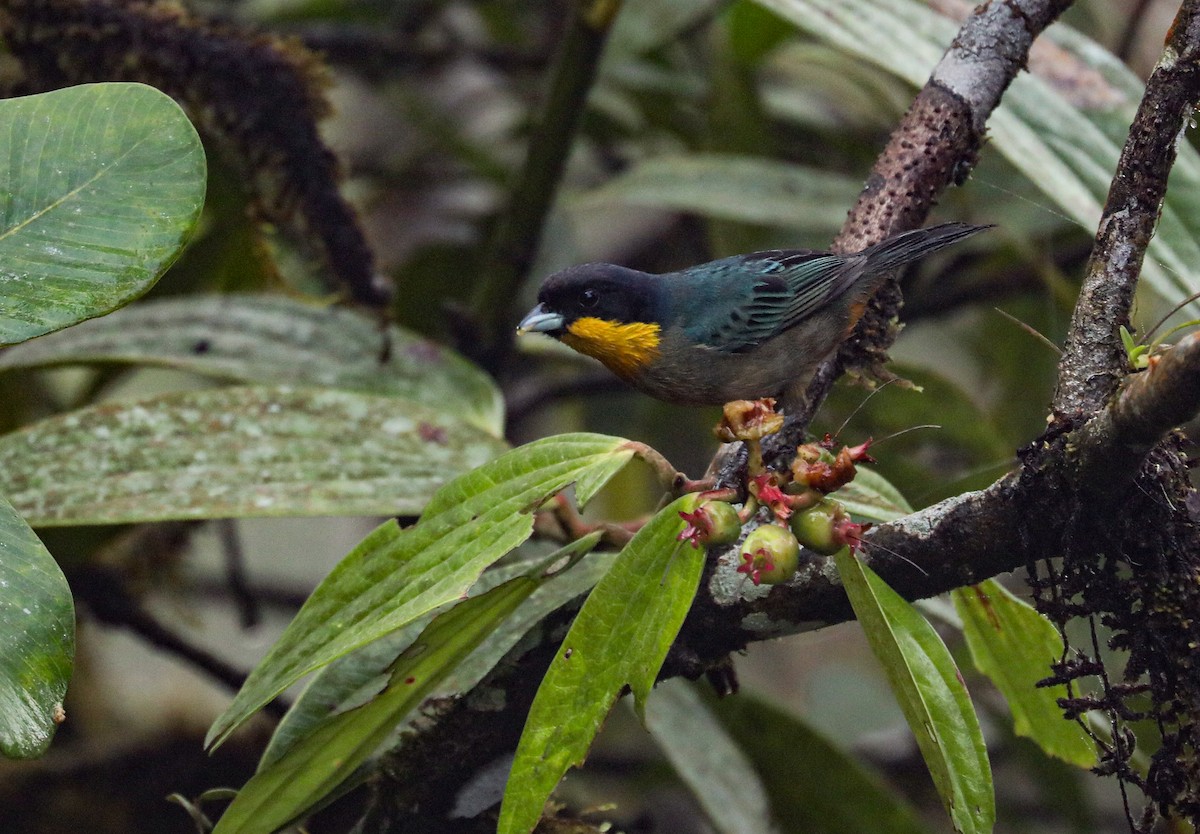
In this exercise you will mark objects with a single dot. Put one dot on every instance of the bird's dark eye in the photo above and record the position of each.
(588, 298)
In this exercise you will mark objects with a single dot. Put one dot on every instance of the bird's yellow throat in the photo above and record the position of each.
(624, 348)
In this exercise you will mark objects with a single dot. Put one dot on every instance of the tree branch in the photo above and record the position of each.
(1094, 360)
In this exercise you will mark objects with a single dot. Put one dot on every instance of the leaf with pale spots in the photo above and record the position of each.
(316, 764)
(930, 692)
(274, 339)
(37, 631)
(620, 637)
(103, 183)
(395, 576)
(236, 452)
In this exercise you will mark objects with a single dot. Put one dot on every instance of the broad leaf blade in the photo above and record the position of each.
(394, 576)
(272, 339)
(811, 793)
(37, 631)
(1014, 645)
(872, 496)
(317, 764)
(620, 637)
(930, 692)
(102, 186)
(236, 452)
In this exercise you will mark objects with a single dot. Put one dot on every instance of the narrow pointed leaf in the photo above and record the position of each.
(873, 497)
(236, 452)
(102, 185)
(37, 632)
(272, 339)
(318, 763)
(394, 576)
(930, 692)
(1014, 645)
(620, 637)
(350, 679)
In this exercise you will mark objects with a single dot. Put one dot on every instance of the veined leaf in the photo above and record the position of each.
(37, 631)
(349, 680)
(315, 765)
(236, 452)
(102, 185)
(274, 339)
(930, 692)
(394, 576)
(872, 497)
(620, 637)
(1014, 645)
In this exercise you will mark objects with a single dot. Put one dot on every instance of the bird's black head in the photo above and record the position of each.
(602, 291)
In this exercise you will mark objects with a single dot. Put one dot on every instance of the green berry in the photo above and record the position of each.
(816, 527)
(770, 554)
(724, 524)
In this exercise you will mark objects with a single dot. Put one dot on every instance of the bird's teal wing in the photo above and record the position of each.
(747, 299)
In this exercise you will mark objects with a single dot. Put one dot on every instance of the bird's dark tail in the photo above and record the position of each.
(906, 247)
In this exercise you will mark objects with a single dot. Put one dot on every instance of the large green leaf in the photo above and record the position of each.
(359, 674)
(273, 339)
(1014, 645)
(620, 637)
(312, 768)
(872, 497)
(37, 631)
(748, 189)
(820, 789)
(1064, 137)
(930, 692)
(236, 452)
(102, 185)
(394, 576)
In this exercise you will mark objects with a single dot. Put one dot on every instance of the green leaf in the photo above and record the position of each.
(930, 692)
(394, 576)
(350, 679)
(1066, 138)
(236, 452)
(37, 631)
(317, 764)
(273, 339)
(620, 637)
(709, 762)
(821, 790)
(872, 497)
(102, 185)
(1014, 646)
(747, 189)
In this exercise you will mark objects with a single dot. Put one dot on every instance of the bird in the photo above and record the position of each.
(739, 328)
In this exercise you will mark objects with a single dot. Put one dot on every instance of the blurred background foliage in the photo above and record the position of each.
(713, 128)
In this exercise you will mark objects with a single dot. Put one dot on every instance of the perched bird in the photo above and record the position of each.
(744, 327)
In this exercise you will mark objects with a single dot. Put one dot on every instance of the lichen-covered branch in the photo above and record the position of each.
(1094, 360)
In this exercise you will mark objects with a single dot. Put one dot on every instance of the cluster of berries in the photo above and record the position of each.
(798, 499)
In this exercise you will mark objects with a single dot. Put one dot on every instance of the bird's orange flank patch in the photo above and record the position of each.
(624, 348)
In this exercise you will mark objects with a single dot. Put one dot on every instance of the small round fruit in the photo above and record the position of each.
(724, 526)
(815, 527)
(770, 554)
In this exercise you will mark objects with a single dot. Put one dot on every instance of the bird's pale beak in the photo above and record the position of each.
(540, 320)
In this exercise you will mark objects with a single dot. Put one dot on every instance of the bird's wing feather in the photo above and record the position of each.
(776, 290)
